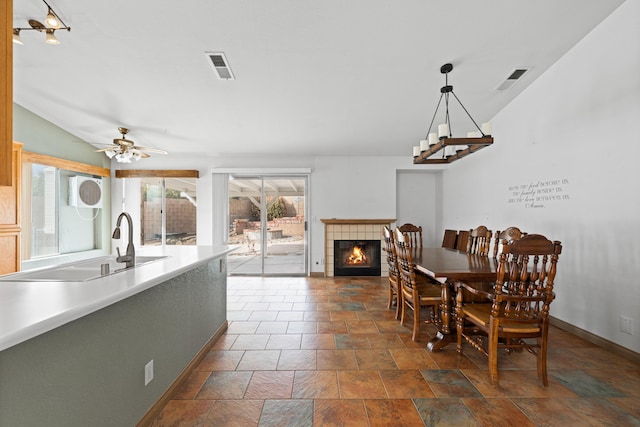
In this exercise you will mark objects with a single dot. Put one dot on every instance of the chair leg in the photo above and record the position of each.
(399, 302)
(391, 293)
(542, 360)
(416, 321)
(459, 332)
(492, 343)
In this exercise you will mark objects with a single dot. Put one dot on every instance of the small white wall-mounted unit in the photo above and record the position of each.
(85, 192)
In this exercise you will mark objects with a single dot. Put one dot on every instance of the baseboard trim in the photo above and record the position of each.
(157, 407)
(316, 274)
(594, 339)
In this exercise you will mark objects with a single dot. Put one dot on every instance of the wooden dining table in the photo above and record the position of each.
(449, 266)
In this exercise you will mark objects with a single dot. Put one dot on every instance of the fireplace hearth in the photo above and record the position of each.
(356, 257)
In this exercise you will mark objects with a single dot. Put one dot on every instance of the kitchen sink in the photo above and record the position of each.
(80, 271)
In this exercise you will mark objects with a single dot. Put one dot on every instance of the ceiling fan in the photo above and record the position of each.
(125, 150)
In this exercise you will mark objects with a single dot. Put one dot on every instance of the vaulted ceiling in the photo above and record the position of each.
(330, 77)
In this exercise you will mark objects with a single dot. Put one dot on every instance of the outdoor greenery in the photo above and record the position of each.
(276, 210)
(155, 191)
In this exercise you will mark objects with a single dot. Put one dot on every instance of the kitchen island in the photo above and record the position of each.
(74, 353)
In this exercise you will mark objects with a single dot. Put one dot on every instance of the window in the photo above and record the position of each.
(55, 221)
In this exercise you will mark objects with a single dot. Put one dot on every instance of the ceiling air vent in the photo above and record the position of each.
(514, 76)
(220, 64)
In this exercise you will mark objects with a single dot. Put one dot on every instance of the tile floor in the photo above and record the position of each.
(327, 352)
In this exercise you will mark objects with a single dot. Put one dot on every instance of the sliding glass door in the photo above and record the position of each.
(267, 225)
(168, 211)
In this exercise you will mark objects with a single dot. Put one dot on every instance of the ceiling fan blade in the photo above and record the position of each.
(111, 148)
(141, 153)
(150, 150)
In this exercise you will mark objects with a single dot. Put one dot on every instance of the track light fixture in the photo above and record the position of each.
(53, 21)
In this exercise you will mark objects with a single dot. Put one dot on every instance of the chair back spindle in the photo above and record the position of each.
(394, 279)
(502, 237)
(479, 240)
(414, 233)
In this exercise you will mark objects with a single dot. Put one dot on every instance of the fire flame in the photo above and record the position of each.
(357, 256)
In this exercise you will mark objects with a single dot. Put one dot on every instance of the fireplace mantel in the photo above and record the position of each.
(358, 221)
(343, 229)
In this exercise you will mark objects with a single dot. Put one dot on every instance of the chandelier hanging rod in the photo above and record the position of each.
(435, 142)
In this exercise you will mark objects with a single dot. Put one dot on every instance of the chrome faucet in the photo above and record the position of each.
(130, 257)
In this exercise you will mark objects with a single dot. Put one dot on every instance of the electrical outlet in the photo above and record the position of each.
(148, 372)
(626, 324)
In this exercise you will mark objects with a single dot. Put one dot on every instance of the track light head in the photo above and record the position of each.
(52, 19)
(51, 37)
(16, 36)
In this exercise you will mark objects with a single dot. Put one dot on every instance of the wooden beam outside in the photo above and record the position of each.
(170, 173)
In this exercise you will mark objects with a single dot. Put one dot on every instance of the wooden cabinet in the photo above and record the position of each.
(10, 227)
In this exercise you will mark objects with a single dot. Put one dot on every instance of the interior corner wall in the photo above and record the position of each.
(416, 196)
(564, 164)
(349, 187)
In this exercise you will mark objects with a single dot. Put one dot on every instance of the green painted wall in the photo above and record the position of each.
(90, 372)
(41, 136)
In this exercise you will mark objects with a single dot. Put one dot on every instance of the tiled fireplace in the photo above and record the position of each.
(357, 231)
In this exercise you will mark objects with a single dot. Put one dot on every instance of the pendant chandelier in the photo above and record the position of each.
(452, 148)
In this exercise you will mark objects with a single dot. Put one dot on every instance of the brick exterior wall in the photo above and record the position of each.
(181, 217)
(290, 226)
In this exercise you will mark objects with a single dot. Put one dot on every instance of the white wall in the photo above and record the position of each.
(352, 187)
(577, 125)
(415, 201)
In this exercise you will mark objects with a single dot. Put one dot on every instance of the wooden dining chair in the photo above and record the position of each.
(394, 294)
(518, 315)
(479, 241)
(417, 291)
(449, 239)
(463, 240)
(414, 233)
(501, 237)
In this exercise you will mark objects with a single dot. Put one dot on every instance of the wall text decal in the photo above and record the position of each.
(538, 194)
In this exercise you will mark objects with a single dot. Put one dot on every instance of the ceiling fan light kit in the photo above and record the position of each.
(53, 21)
(125, 151)
(453, 148)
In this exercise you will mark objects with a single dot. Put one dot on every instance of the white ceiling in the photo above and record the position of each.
(330, 77)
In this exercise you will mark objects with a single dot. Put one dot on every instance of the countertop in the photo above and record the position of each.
(28, 309)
